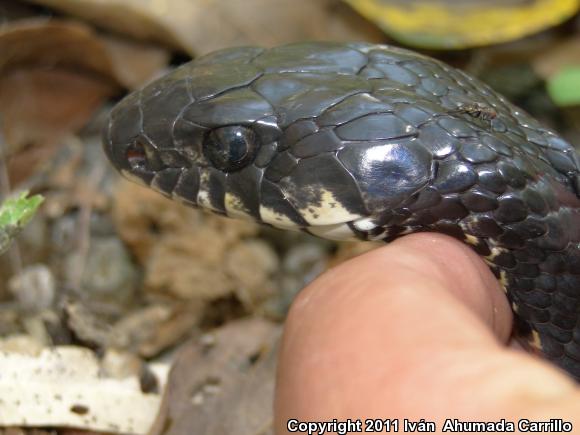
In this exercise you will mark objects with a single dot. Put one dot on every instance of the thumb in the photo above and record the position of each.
(418, 329)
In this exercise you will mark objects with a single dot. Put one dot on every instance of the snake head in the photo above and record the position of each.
(294, 137)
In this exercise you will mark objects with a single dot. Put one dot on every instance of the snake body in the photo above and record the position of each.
(362, 141)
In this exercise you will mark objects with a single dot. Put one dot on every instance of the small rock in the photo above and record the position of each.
(9, 320)
(34, 288)
(300, 265)
(88, 328)
(108, 276)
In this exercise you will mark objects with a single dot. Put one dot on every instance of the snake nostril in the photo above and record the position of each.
(137, 155)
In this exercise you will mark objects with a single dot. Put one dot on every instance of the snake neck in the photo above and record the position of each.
(536, 258)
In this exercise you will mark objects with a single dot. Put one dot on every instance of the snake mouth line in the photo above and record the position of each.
(329, 219)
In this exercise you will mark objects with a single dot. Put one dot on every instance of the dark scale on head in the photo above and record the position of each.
(372, 142)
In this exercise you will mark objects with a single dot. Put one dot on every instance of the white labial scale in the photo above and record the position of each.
(278, 220)
(534, 340)
(203, 193)
(472, 240)
(234, 208)
(330, 212)
(468, 238)
(333, 232)
(203, 199)
(365, 224)
(495, 251)
(503, 281)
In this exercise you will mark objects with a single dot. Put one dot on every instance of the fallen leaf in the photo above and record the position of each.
(223, 383)
(452, 24)
(65, 387)
(40, 106)
(133, 62)
(54, 74)
(74, 46)
(53, 43)
(154, 328)
(186, 24)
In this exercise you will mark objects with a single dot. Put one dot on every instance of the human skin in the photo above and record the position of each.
(417, 329)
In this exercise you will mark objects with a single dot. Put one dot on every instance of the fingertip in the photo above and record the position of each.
(465, 275)
(377, 318)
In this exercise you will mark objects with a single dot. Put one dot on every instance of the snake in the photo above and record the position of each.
(369, 142)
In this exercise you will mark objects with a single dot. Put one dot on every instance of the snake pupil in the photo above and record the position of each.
(230, 148)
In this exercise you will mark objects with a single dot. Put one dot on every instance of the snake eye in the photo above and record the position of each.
(230, 148)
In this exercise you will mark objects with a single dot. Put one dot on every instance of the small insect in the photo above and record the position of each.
(477, 110)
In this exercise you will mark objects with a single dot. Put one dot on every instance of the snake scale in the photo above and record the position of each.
(371, 142)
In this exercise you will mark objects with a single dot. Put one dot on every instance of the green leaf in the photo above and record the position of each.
(14, 214)
(564, 86)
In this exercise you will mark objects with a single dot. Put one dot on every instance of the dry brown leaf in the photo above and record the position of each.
(73, 46)
(269, 23)
(53, 75)
(54, 43)
(223, 383)
(150, 20)
(191, 25)
(40, 106)
(135, 63)
(155, 328)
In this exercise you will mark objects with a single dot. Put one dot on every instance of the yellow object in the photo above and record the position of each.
(455, 24)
